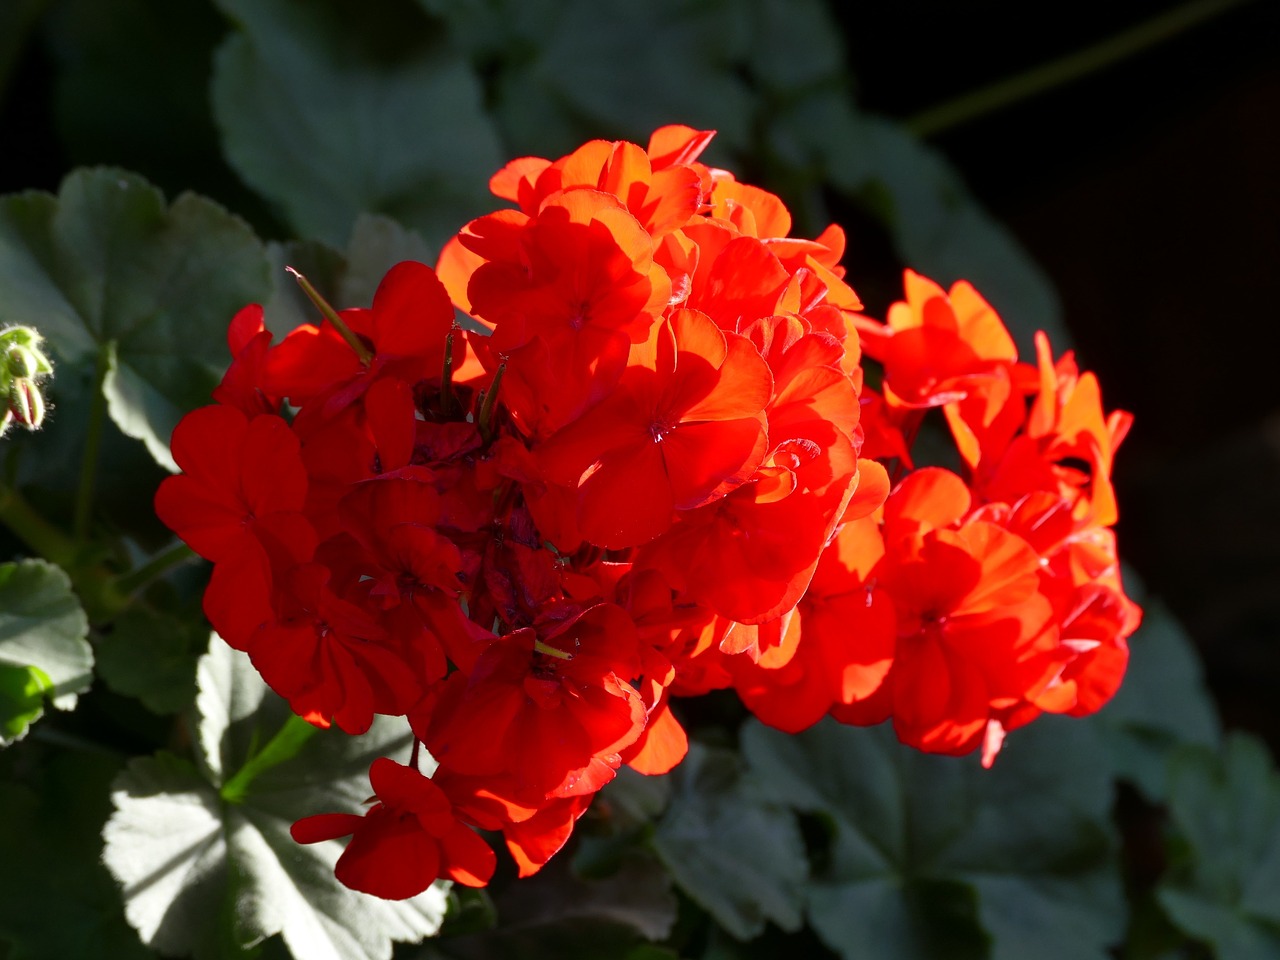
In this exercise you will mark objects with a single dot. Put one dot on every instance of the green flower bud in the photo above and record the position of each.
(22, 361)
(26, 404)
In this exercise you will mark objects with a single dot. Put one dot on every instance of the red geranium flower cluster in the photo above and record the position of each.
(655, 474)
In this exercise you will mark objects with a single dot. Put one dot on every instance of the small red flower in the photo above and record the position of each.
(685, 425)
(406, 841)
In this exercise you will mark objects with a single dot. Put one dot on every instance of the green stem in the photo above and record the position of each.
(446, 381)
(35, 531)
(488, 403)
(550, 651)
(1073, 66)
(330, 314)
(288, 740)
(130, 583)
(92, 443)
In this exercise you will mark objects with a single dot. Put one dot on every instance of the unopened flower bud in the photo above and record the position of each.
(22, 366)
(22, 362)
(26, 403)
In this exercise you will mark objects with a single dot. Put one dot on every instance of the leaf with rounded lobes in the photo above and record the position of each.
(557, 914)
(22, 692)
(733, 850)
(558, 82)
(1161, 705)
(152, 655)
(1225, 888)
(377, 244)
(205, 876)
(795, 46)
(106, 268)
(44, 653)
(936, 224)
(934, 857)
(328, 115)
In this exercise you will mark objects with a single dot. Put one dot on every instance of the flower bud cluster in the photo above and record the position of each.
(22, 369)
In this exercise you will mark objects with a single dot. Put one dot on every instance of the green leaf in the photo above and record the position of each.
(1161, 705)
(207, 877)
(106, 266)
(152, 656)
(558, 79)
(795, 46)
(934, 857)
(937, 226)
(733, 851)
(1226, 807)
(557, 914)
(43, 650)
(377, 244)
(621, 822)
(22, 693)
(329, 115)
(57, 900)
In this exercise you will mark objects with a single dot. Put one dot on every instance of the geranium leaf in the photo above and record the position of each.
(377, 244)
(557, 914)
(934, 857)
(1226, 807)
(44, 654)
(22, 693)
(106, 267)
(735, 852)
(1161, 705)
(152, 656)
(52, 833)
(204, 876)
(558, 83)
(329, 115)
(936, 224)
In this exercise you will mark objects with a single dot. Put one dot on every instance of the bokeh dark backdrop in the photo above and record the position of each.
(1147, 190)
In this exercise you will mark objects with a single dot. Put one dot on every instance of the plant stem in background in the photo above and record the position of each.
(35, 531)
(1057, 73)
(92, 443)
(133, 581)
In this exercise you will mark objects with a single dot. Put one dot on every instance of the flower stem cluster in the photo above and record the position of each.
(658, 473)
(23, 366)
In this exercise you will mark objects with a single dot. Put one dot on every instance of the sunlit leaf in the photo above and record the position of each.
(202, 875)
(44, 654)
